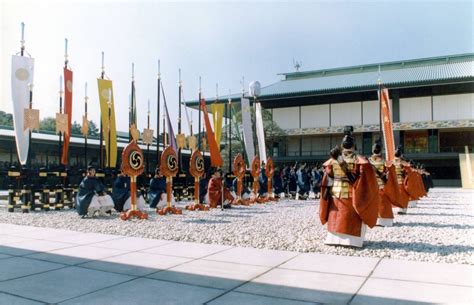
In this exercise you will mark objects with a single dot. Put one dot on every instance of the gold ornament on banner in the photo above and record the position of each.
(62, 123)
(134, 132)
(192, 142)
(147, 136)
(181, 140)
(204, 144)
(31, 119)
(85, 126)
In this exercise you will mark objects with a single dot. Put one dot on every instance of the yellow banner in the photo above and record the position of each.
(217, 114)
(106, 94)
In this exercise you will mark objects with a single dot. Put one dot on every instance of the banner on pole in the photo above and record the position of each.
(105, 86)
(22, 78)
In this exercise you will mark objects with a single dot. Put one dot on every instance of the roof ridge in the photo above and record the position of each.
(384, 66)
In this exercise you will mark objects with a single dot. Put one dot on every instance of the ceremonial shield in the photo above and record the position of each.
(196, 165)
(169, 162)
(255, 167)
(239, 166)
(132, 166)
(269, 169)
(132, 160)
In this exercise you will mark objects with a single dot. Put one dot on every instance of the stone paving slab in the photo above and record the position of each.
(61, 284)
(6, 299)
(76, 255)
(148, 291)
(111, 269)
(381, 291)
(136, 263)
(251, 256)
(211, 274)
(451, 274)
(234, 298)
(349, 265)
(185, 249)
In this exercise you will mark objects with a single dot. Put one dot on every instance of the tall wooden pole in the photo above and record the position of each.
(180, 157)
(158, 155)
(101, 150)
(148, 145)
(86, 135)
(199, 117)
(60, 111)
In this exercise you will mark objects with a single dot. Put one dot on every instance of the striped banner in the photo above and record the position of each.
(217, 114)
(247, 129)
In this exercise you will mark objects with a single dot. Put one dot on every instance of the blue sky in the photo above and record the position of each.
(220, 41)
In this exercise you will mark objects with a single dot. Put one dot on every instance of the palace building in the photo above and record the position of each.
(432, 102)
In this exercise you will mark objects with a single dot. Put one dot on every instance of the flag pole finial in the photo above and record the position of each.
(65, 52)
(159, 70)
(103, 66)
(22, 41)
(133, 71)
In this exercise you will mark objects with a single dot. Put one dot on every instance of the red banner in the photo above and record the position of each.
(387, 127)
(68, 111)
(216, 159)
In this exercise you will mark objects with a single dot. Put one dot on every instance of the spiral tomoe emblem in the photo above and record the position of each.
(136, 160)
(200, 164)
(172, 163)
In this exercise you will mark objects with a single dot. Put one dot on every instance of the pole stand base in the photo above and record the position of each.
(197, 207)
(133, 213)
(169, 210)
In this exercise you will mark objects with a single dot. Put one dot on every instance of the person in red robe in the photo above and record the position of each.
(403, 170)
(215, 189)
(350, 195)
(388, 186)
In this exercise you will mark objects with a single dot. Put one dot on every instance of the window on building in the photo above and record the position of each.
(455, 141)
(416, 141)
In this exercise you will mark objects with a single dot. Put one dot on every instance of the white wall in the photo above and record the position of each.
(346, 114)
(453, 107)
(417, 109)
(371, 110)
(314, 116)
(287, 118)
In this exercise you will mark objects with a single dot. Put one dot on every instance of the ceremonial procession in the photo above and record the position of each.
(160, 169)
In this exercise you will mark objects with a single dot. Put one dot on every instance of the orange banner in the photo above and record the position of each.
(68, 111)
(387, 127)
(216, 159)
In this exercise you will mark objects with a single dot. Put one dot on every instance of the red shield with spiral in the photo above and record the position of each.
(255, 166)
(269, 169)
(132, 160)
(169, 162)
(239, 166)
(196, 164)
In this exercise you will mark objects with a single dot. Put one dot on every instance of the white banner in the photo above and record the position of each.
(22, 76)
(260, 132)
(247, 129)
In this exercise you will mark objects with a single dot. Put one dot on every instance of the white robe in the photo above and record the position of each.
(102, 204)
(346, 239)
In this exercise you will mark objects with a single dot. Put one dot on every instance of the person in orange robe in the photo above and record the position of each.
(350, 195)
(388, 186)
(402, 169)
(215, 189)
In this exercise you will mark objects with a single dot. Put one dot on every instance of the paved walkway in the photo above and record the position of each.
(41, 265)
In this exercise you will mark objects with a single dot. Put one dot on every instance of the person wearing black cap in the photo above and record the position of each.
(215, 189)
(121, 194)
(91, 196)
(385, 218)
(351, 203)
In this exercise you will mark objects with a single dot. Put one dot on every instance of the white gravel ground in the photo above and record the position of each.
(440, 229)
